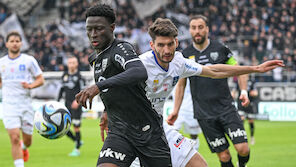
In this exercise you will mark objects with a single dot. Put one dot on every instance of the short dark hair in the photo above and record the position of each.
(162, 27)
(204, 18)
(13, 33)
(101, 10)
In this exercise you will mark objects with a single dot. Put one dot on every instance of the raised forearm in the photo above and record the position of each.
(179, 94)
(225, 71)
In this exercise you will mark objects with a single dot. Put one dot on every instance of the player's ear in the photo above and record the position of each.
(112, 26)
(152, 44)
(177, 42)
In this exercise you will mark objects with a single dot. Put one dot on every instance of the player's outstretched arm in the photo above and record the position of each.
(179, 94)
(224, 71)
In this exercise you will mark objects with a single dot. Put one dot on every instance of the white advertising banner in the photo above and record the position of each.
(278, 111)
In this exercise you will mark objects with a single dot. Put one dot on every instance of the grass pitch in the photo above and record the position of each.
(275, 147)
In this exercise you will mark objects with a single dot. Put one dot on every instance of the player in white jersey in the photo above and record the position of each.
(164, 68)
(186, 118)
(17, 73)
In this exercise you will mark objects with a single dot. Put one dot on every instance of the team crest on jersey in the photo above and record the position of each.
(65, 78)
(104, 64)
(175, 80)
(192, 57)
(214, 55)
(22, 67)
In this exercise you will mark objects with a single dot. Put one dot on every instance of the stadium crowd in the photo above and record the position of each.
(255, 30)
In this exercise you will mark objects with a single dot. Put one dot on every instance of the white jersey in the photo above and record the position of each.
(15, 71)
(161, 82)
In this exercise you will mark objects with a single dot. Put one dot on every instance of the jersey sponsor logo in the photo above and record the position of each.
(145, 128)
(120, 59)
(3, 68)
(214, 55)
(112, 154)
(175, 80)
(179, 141)
(12, 69)
(237, 133)
(190, 67)
(203, 61)
(158, 100)
(104, 64)
(22, 67)
(165, 87)
(217, 142)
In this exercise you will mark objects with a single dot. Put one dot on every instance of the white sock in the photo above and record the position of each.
(19, 163)
(197, 144)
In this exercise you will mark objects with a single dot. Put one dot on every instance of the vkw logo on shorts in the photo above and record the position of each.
(112, 154)
(214, 55)
(217, 142)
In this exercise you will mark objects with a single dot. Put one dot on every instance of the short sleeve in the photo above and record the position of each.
(124, 54)
(189, 67)
(34, 67)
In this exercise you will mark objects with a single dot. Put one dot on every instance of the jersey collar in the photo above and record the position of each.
(158, 63)
(202, 49)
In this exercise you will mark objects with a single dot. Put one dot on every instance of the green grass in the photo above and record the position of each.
(275, 147)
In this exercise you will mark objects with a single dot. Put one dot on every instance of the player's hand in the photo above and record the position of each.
(270, 65)
(245, 100)
(87, 94)
(172, 118)
(26, 85)
(104, 125)
(74, 105)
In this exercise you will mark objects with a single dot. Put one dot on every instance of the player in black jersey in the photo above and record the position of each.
(213, 104)
(72, 83)
(249, 111)
(134, 128)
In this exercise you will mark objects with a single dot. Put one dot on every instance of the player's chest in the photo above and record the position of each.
(14, 67)
(161, 82)
(104, 68)
(70, 81)
(207, 57)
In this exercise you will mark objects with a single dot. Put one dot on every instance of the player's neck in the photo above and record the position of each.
(13, 55)
(99, 51)
(201, 46)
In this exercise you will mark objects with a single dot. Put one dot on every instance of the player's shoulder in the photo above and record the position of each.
(147, 59)
(146, 55)
(122, 47)
(3, 58)
(188, 49)
(27, 57)
(217, 44)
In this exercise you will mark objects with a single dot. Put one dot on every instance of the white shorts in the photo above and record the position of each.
(19, 117)
(191, 125)
(182, 148)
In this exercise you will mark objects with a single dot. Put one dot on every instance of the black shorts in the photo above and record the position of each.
(214, 131)
(122, 152)
(75, 115)
(248, 112)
